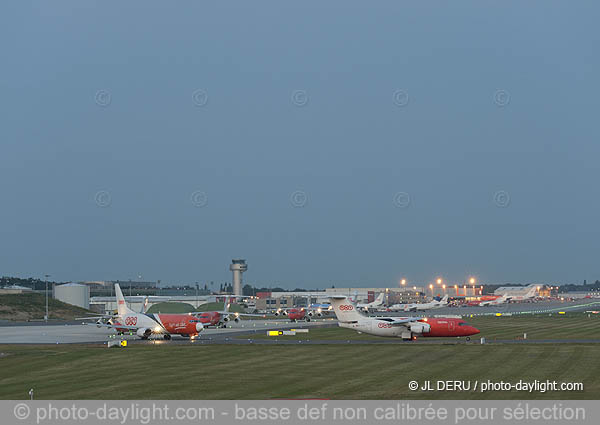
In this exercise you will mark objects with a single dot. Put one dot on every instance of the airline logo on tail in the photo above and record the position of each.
(346, 307)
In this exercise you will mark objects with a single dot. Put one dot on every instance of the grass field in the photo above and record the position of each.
(373, 371)
(234, 308)
(283, 371)
(570, 326)
(33, 307)
(173, 307)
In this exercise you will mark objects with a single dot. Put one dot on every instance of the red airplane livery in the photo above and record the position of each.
(294, 314)
(165, 325)
(408, 328)
(146, 325)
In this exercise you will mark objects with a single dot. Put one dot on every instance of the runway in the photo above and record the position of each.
(76, 333)
(385, 341)
(90, 334)
(539, 307)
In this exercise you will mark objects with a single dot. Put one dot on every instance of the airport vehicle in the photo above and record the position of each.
(420, 307)
(407, 328)
(144, 325)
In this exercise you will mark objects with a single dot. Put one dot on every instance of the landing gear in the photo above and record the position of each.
(468, 338)
(167, 337)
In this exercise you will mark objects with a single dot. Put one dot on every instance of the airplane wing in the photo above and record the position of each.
(106, 325)
(227, 313)
(399, 321)
(100, 316)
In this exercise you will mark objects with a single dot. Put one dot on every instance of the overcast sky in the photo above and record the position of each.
(340, 142)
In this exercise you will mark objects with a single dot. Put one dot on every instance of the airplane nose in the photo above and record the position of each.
(475, 330)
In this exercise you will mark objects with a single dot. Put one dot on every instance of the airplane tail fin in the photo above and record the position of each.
(344, 310)
(144, 306)
(445, 299)
(227, 304)
(122, 308)
(379, 299)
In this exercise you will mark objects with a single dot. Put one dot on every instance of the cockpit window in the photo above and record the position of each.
(463, 324)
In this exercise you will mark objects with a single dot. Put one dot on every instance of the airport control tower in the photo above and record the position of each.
(238, 267)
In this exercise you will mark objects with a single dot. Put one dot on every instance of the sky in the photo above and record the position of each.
(344, 143)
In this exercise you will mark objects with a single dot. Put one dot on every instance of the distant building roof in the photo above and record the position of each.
(22, 288)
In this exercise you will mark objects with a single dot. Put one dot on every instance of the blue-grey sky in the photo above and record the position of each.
(340, 142)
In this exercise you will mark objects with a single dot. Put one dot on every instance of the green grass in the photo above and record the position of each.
(234, 308)
(570, 326)
(289, 371)
(171, 308)
(30, 306)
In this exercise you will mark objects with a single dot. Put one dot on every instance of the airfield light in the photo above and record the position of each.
(444, 286)
(157, 329)
(439, 281)
(414, 287)
(472, 281)
(430, 286)
(403, 281)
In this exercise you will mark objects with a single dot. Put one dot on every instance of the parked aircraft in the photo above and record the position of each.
(421, 307)
(144, 325)
(407, 328)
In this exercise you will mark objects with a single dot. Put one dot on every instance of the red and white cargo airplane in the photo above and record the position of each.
(295, 313)
(144, 325)
(220, 318)
(434, 304)
(407, 328)
(496, 301)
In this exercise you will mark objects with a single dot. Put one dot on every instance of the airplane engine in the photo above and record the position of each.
(419, 328)
(144, 333)
(199, 327)
(226, 319)
(236, 320)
